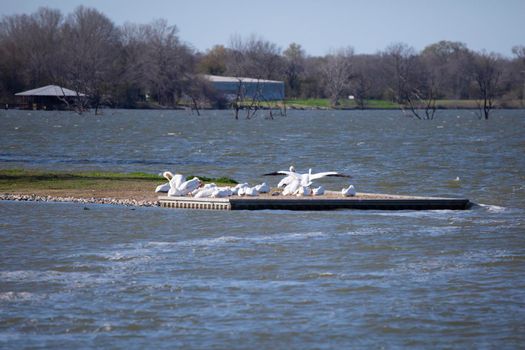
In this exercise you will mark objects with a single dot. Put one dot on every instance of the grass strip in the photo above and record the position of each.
(28, 179)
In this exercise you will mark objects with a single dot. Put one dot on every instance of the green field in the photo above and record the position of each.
(323, 103)
(22, 179)
(343, 104)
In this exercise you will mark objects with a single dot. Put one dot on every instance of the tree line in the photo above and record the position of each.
(139, 65)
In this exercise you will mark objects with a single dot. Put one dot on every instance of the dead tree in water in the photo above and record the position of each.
(487, 74)
(238, 98)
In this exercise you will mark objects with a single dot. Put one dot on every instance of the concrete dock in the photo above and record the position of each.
(330, 201)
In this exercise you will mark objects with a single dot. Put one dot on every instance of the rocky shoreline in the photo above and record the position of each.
(92, 200)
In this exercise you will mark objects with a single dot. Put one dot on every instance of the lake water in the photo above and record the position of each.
(123, 277)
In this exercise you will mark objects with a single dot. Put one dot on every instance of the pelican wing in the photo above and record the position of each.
(327, 173)
(283, 172)
(277, 173)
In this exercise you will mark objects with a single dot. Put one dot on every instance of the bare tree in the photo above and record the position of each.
(414, 80)
(337, 74)
(156, 64)
(90, 49)
(519, 52)
(362, 83)
(486, 74)
(254, 57)
(29, 50)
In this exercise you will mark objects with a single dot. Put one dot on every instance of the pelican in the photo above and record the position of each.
(163, 188)
(251, 192)
(303, 191)
(174, 180)
(319, 191)
(304, 179)
(221, 192)
(263, 188)
(292, 187)
(205, 191)
(189, 186)
(349, 192)
(185, 187)
(239, 189)
(288, 179)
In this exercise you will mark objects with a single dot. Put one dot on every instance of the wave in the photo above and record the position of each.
(210, 242)
(492, 208)
(445, 213)
(16, 296)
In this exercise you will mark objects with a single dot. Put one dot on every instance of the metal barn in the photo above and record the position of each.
(265, 90)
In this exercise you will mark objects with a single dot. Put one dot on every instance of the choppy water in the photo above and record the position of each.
(157, 278)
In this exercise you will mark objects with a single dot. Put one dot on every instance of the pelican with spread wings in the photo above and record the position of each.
(303, 179)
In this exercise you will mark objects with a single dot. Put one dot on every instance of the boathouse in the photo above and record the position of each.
(261, 89)
(47, 97)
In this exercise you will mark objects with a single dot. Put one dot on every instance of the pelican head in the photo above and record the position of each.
(292, 168)
(168, 175)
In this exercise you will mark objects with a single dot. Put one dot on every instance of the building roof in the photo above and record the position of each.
(50, 90)
(221, 79)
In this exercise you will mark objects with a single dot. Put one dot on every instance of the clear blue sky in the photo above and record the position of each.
(320, 26)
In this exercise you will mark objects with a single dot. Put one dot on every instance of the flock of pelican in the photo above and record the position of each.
(293, 184)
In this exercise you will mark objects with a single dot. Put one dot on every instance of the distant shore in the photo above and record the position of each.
(324, 104)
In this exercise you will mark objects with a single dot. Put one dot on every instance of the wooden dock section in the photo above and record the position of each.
(330, 201)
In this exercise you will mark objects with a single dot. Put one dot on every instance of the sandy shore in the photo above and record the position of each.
(130, 198)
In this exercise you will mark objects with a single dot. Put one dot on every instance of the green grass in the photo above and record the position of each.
(343, 103)
(384, 104)
(22, 179)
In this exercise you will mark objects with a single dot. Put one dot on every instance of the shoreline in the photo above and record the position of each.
(131, 202)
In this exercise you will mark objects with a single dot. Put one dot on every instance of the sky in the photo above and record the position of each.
(319, 26)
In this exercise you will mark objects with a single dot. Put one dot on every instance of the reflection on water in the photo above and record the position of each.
(154, 277)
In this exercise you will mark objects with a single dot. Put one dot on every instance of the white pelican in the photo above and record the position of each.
(319, 191)
(205, 191)
(251, 192)
(239, 188)
(221, 192)
(303, 191)
(163, 188)
(349, 192)
(307, 178)
(185, 188)
(263, 188)
(174, 180)
(291, 188)
(288, 179)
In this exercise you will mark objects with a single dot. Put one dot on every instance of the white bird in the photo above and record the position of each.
(163, 188)
(251, 192)
(303, 191)
(263, 188)
(288, 179)
(349, 192)
(221, 192)
(174, 180)
(190, 185)
(185, 188)
(319, 191)
(166, 187)
(239, 189)
(304, 179)
(205, 191)
(291, 188)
